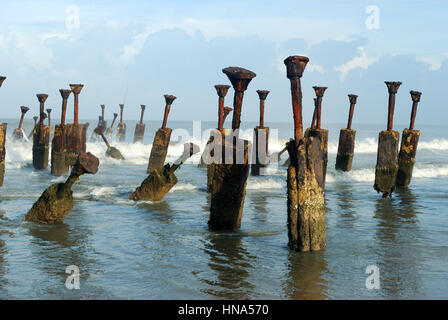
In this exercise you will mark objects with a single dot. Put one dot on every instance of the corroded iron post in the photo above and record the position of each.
(305, 205)
(387, 157)
(313, 122)
(103, 125)
(260, 139)
(230, 176)
(140, 127)
(121, 128)
(346, 147)
(111, 152)
(160, 181)
(58, 149)
(56, 201)
(17, 135)
(41, 138)
(161, 140)
(34, 127)
(110, 130)
(75, 133)
(408, 149)
(2, 143)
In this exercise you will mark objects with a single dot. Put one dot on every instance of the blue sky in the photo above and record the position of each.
(136, 51)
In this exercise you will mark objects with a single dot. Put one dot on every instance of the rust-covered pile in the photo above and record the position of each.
(121, 128)
(18, 133)
(346, 146)
(260, 140)
(41, 138)
(140, 127)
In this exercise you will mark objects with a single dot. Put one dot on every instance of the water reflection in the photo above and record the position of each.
(397, 245)
(160, 210)
(232, 265)
(305, 276)
(346, 202)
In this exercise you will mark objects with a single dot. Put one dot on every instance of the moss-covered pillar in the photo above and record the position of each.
(408, 149)
(387, 157)
(160, 181)
(230, 175)
(58, 150)
(2, 150)
(305, 204)
(140, 127)
(56, 201)
(41, 138)
(346, 146)
(260, 145)
(121, 128)
(161, 141)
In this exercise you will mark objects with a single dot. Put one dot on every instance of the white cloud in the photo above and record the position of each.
(361, 61)
(434, 60)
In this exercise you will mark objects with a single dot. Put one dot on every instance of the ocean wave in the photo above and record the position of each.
(256, 184)
(184, 187)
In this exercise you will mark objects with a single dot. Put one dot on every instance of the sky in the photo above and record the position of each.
(134, 52)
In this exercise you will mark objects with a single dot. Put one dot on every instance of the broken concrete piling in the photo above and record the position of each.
(58, 144)
(346, 147)
(160, 181)
(110, 130)
(387, 156)
(121, 128)
(140, 127)
(56, 201)
(111, 152)
(305, 205)
(41, 138)
(260, 139)
(230, 176)
(17, 134)
(408, 149)
(161, 141)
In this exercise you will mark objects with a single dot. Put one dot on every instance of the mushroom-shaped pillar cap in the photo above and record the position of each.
(102, 106)
(49, 110)
(415, 95)
(2, 78)
(35, 118)
(262, 94)
(392, 86)
(142, 106)
(42, 97)
(65, 93)
(353, 98)
(239, 77)
(121, 106)
(295, 65)
(24, 109)
(88, 163)
(44, 116)
(227, 110)
(76, 88)
(169, 98)
(115, 114)
(320, 91)
(221, 89)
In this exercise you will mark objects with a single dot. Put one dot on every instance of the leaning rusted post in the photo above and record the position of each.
(346, 147)
(160, 181)
(313, 122)
(387, 157)
(305, 205)
(320, 158)
(260, 142)
(140, 127)
(17, 135)
(58, 149)
(41, 138)
(161, 140)
(75, 133)
(110, 130)
(408, 149)
(230, 176)
(121, 128)
(56, 201)
(94, 136)
(2, 143)
(111, 152)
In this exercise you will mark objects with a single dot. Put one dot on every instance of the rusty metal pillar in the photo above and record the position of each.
(75, 133)
(346, 147)
(2, 143)
(387, 157)
(160, 181)
(17, 135)
(121, 128)
(408, 149)
(260, 144)
(230, 176)
(103, 125)
(313, 122)
(161, 140)
(58, 149)
(110, 130)
(140, 127)
(305, 205)
(41, 138)
(56, 201)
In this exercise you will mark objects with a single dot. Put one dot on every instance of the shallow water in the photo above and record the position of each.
(164, 250)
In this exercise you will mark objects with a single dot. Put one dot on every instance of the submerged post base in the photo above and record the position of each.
(406, 157)
(387, 162)
(156, 185)
(346, 149)
(159, 149)
(260, 150)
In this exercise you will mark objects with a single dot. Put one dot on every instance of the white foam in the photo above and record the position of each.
(184, 187)
(361, 175)
(256, 184)
(431, 171)
(101, 191)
